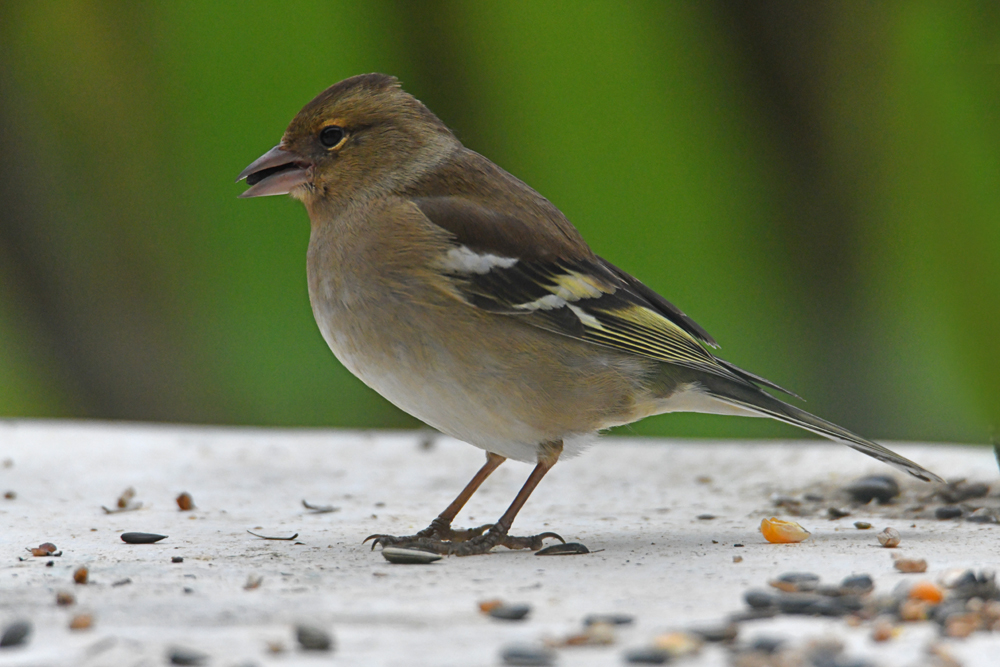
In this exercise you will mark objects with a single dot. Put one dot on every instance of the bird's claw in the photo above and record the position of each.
(468, 542)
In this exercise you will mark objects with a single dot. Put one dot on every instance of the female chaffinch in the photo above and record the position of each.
(468, 300)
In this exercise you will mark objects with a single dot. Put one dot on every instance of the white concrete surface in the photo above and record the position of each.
(633, 502)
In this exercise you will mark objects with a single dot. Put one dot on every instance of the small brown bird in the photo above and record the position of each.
(469, 301)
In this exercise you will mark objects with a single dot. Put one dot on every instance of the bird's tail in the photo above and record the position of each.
(751, 398)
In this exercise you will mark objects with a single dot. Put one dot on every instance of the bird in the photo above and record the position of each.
(469, 301)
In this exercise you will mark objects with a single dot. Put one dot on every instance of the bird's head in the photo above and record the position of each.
(364, 135)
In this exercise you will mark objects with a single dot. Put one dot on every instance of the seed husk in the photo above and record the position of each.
(527, 656)
(184, 656)
(568, 549)
(910, 565)
(65, 598)
(80, 575)
(510, 612)
(889, 538)
(81, 622)
(873, 487)
(142, 538)
(15, 634)
(647, 655)
(311, 638)
(862, 525)
(402, 556)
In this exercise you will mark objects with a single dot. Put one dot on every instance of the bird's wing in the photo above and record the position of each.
(575, 294)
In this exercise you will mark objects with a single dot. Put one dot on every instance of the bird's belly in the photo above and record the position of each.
(489, 395)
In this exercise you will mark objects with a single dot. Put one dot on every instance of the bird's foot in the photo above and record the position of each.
(468, 542)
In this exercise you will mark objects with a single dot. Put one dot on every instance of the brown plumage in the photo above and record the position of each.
(470, 301)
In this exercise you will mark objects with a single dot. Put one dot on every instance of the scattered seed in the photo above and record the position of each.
(176, 559)
(948, 512)
(857, 584)
(717, 633)
(311, 638)
(983, 515)
(185, 502)
(142, 538)
(527, 656)
(126, 497)
(883, 630)
(678, 644)
(402, 556)
(80, 575)
(647, 656)
(759, 599)
(121, 582)
(510, 612)
(185, 656)
(862, 525)
(873, 487)
(737, 559)
(10, 495)
(253, 582)
(596, 634)
(703, 479)
(796, 582)
(777, 531)
(910, 565)
(609, 619)
(266, 537)
(65, 598)
(15, 634)
(44, 549)
(486, 606)
(889, 538)
(81, 622)
(319, 509)
(568, 549)
(926, 591)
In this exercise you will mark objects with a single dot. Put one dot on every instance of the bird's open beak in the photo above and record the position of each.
(275, 172)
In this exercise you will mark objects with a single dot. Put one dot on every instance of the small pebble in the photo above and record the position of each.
(527, 655)
(15, 634)
(10, 495)
(647, 656)
(813, 497)
(705, 517)
(311, 638)
(409, 556)
(142, 538)
(737, 559)
(609, 619)
(176, 559)
(678, 644)
(80, 575)
(837, 513)
(948, 512)
(873, 487)
(510, 612)
(64, 598)
(568, 549)
(184, 656)
(862, 525)
(926, 591)
(889, 538)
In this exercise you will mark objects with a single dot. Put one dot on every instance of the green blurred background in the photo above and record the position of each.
(817, 184)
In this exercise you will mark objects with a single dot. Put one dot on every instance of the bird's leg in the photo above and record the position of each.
(497, 534)
(440, 528)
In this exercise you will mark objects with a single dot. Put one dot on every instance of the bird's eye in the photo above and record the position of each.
(331, 136)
